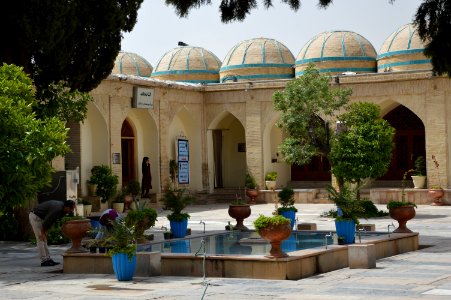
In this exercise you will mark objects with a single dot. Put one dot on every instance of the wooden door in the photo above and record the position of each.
(128, 153)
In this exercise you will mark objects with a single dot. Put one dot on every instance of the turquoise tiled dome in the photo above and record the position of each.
(188, 64)
(129, 63)
(336, 52)
(257, 59)
(403, 51)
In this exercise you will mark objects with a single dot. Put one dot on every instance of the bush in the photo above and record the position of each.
(263, 222)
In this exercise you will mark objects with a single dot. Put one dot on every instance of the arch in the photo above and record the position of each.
(272, 159)
(186, 126)
(94, 142)
(409, 141)
(147, 144)
(226, 151)
(128, 152)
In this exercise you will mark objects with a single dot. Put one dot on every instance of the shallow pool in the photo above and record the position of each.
(240, 243)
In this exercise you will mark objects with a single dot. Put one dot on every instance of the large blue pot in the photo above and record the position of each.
(290, 214)
(178, 228)
(123, 267)
(346, 229)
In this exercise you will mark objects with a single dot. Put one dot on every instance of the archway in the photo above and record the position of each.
(227, 151)
(409, 141)
(128, 153)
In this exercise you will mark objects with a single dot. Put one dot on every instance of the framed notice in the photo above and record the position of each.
(116, 158)
(183, 172)
(182, 150)
(142, 98)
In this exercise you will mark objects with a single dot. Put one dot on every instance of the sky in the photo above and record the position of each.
(159, 29)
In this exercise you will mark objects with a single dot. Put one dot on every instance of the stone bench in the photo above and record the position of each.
(362, 256)
(307, 226)
(367, 227)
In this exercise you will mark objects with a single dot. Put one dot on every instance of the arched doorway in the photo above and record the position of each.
(409, 141)
(128, 153)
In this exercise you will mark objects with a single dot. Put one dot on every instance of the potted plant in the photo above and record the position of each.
(403, 210)
(286, 199)
(176, 200)
(87, 207)
(105, 180)
(274, 229)
(75, 228)
(141, 219)
(271, 180)
(419, 177)
(239, 210)
(123, 250)
(349, 209)
(436, 191)
(133, 188)
(118, 201)
(251, 187)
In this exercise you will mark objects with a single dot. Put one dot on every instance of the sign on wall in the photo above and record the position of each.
(183, 172)
(182, 150)
(183, 160)
(143, 98)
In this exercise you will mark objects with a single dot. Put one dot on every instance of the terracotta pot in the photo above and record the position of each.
(275, 235)
(239, 213)
(436, 195)
(128, 200)
(252, 194)
(76, 230)
(402, 214)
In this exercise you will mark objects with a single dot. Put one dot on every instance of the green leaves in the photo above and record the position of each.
(306, 105)
(27, 144)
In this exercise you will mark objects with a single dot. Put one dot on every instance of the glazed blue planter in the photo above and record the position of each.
(178, 228)
(290, 214)
(346, 229)
(124, 269)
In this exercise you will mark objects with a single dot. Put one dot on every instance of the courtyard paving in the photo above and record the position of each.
(423, 274)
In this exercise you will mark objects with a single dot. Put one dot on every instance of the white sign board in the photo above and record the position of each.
(143, 98)
(183, 172)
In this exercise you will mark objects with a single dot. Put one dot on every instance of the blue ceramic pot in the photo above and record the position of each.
(346, 229)
(290, 214)
(123, 267)
(178, 228)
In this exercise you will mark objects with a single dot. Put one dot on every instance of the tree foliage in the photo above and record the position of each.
(306, 105)
(71, 41)
(365, 147)
(27, 144)
(433, 19)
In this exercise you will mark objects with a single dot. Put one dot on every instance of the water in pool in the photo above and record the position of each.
(241, 243)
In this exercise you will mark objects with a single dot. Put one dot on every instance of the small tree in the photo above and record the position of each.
(306, 105)
(363, 149)
(27, 144)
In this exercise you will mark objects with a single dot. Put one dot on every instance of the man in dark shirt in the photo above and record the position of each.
(42, 218)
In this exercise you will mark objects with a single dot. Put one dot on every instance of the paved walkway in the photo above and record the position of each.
(423, 274)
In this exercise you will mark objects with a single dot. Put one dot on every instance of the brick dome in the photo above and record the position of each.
(188, 64)
(336, 52)
(403, 51)
(257, 59)
(129, 63)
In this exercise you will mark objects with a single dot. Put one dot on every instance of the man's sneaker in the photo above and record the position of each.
(49, 263)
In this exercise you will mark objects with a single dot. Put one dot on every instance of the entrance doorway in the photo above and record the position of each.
(128, 153)
(409, 142)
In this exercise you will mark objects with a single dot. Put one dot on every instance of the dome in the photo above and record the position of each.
(257, 59)
(188, 64)
(129, 63)
(403, 51)
(336, 52)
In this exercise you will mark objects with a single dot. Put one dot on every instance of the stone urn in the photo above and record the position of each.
(252, 194)
(402, 214)
(239, 212)
(275, 234)
(76, 230)
(436, 195)
(271, 184)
